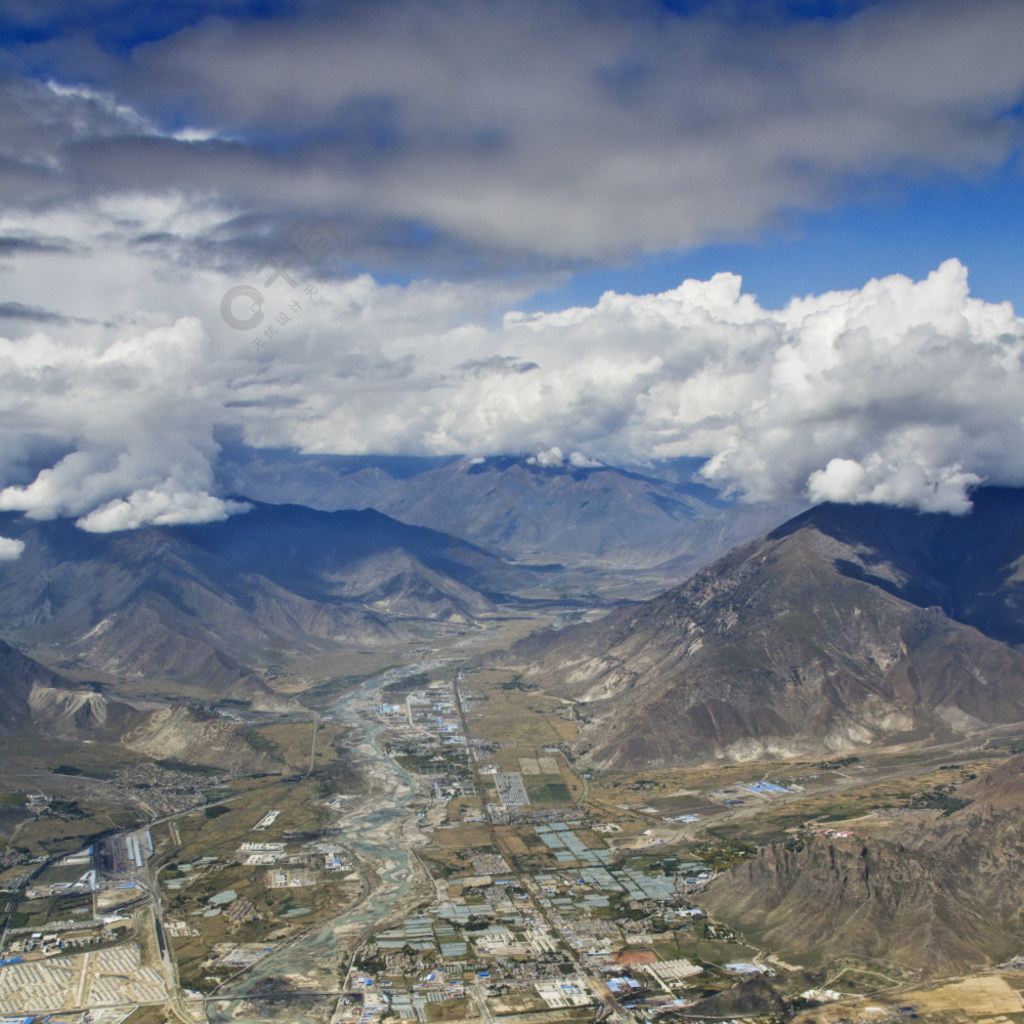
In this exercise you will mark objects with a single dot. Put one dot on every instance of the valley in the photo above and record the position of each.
(500, 809)
(460, 865)
(511, 512)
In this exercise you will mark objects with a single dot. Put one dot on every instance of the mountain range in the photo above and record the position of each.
(36, 702)
(941, 893)
(539, 506)
(215, 604)
(846, 626)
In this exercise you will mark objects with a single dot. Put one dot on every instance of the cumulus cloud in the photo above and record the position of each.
(454, 141)
(555, 457)
(932, 489)
(904, 392)
(163, 507)
(547, 457)
(136, 417)
(10, 549)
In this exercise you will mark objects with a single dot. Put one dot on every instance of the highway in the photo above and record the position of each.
(613, 1010)
(312, 745)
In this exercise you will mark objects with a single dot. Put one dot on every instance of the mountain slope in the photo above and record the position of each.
(971, 566)
(209, 604)
(943, 894)
(824, 636)
(37, 702)
(538, 507)
(19, 675)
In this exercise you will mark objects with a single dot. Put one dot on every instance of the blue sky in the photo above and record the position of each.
(464, 227)
(910, 232)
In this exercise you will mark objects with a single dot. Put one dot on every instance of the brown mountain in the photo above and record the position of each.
(214, 604)
(19, 675)
(524, 507)
(37, 702)
(942, 894)
(845, 627)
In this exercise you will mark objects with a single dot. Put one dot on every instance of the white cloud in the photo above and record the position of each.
(905, 392)
(137, 413)
(547, 458)
(523, 134)
(932, 489)
(555, 457)
(163, 507)
(10, 549)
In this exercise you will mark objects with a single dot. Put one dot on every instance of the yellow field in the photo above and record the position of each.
(981, 999)
(522, 722)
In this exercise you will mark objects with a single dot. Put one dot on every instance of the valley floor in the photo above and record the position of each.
(437, 855)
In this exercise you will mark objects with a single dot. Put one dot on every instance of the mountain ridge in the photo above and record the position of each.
(534, 506)
(217, 604)
(38, 702)
(802, 643)
(941, 893)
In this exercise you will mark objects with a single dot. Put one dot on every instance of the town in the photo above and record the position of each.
(460, 868)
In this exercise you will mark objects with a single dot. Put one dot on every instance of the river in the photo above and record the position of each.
(373, 829)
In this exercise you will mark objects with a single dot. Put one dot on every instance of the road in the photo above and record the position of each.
(312, 746)
(614, 1010)
(167, 961)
